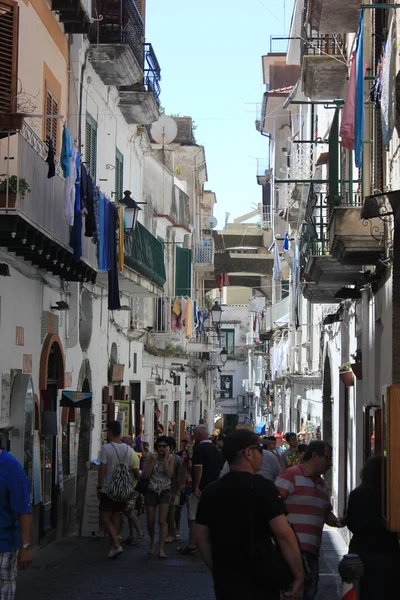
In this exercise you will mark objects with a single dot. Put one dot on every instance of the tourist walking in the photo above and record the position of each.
(234, 515)
(15, 523)
(307, 501)
(175, 492)
(207, 464)
(159, 470)
(130, 513)
(112, 455)
(289, 457)
(377, 547)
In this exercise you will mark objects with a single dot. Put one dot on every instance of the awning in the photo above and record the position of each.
(76, 399)
(260, 428)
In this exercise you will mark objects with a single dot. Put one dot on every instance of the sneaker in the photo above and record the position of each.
(138, 540)
(115, 552)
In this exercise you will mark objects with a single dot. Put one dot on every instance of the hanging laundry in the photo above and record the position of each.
(189, 319)
(173, 321)
(76, 231)
(103, 240)
(87, 201)
(388, 102)
(96, 200)
(113, 281)
(286, 242)
(66, 152)
(70, 188)
(359, 99)
(50, 160)
(183, 308)
(347, 125)
(277, 262)
(176, 308)
(121, 239)
(195, 317)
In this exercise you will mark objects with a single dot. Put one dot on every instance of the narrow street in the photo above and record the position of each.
(77, 569)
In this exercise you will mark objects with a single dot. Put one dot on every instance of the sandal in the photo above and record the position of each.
(169, 540)
(186, 551)
(162, 555)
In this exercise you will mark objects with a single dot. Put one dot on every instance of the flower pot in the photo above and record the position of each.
(357, 369)
(12, 198)
(347, 378)
(11, 121)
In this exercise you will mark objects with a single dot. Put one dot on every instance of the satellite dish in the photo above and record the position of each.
(164, 130)
(211, 222)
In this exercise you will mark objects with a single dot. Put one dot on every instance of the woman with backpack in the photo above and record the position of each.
(159, 470)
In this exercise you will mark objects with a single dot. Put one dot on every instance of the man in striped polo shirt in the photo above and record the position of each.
(307, 501)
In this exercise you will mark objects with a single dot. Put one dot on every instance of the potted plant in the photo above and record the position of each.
(357, 365)
(346, 374)
(15, 186)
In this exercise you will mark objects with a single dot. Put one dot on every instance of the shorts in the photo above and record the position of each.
(107, 504)
(151, 498)
(8, 575)
(131, 505)
(192, 504)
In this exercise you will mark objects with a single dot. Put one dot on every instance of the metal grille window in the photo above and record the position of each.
(119, 175)
(51, 125)
(91, 146)
(284, 288)
(8, 55)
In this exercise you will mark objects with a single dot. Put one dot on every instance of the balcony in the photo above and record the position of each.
(334, 16)
(264, 171)
(74, 14)
(244, 260)
(334, 245)
(32, 224)
(324, 68)
(203, 255)
(117, 52)
(274, 317)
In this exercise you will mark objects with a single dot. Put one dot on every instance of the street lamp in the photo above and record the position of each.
(132, 209)
(224, 356)
(216, 314)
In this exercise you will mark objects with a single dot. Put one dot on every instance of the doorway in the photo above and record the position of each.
(135, 394)
(327, 433)
(83, 458)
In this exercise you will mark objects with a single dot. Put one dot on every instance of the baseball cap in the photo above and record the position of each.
(239, 440)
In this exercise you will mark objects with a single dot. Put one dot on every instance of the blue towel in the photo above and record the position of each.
(66, 153)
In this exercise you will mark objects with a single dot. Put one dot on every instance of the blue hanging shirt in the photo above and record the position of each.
(66, 153)
(15, 500)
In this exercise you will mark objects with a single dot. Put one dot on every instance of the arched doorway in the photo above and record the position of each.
(327, 433)
(51, 379)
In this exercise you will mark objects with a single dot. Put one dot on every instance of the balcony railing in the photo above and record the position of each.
(152, 72)
(204, 251)
(265, 221)
(333, 45)
(278, 44)
(43, 205)
(120, 23)
(144, 253)
(263, 167)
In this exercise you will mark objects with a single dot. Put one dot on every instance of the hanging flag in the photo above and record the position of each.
(286, 242)
(347, 125)
(359, 107)
(277, 263)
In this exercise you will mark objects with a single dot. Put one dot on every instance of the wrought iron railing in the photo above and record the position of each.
(119, 23)
(263, 167)
(204, 251)
(333, 45)
(152, 72)
(278, 44)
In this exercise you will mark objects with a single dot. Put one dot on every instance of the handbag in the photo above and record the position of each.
(142, 485)
(266, 554)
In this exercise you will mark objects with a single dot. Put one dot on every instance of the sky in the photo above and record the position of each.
(210, 57)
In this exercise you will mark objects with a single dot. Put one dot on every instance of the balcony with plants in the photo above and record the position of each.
(32, 223)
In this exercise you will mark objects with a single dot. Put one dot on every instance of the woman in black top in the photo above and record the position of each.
(377, 547)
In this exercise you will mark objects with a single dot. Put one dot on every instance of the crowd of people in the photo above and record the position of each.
(256, 509)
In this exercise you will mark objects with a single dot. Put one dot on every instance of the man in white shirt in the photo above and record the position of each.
(111, 455)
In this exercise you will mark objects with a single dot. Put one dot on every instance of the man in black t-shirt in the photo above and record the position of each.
(235, 509)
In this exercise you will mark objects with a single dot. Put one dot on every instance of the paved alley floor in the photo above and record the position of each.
(78, 569)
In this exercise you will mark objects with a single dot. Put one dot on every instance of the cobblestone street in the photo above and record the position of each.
(78, 569)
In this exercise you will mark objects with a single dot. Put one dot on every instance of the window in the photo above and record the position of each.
(8, 53)
(284, 288)
(183, 271)
(91, 146)
(51, 125)
(227, 341)
(119, 175)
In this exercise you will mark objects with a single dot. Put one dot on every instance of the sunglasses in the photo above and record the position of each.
(258, 447)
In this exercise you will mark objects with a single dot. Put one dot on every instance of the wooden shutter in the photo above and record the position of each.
(91, 146)
(183, 271)
(119, 175)
(8, 56)
(51, 125)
